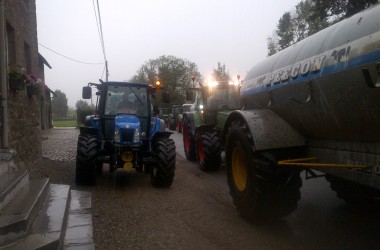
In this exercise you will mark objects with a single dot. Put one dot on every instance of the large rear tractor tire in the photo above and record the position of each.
(188, 140)
(209, 151)
(162, 173)
(351, 192)
(179, 126)
(261, 191)
(86, 165)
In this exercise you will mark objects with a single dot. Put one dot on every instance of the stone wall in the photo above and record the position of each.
(24, 110)
(24, 128)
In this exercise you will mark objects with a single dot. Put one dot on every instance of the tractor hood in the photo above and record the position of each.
(127, 129)
(127, 121)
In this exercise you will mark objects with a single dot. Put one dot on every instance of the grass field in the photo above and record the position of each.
(67, 123)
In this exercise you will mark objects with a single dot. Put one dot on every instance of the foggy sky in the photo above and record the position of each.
(233, 32)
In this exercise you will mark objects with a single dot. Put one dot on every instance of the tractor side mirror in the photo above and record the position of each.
(165, 97)
(189, 95)
(86, 92)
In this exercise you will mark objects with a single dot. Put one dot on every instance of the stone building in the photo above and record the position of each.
(25, 112)
(26, 203)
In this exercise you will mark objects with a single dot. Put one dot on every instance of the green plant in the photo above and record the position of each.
(17, 78)
(20, 73)
(15, 73)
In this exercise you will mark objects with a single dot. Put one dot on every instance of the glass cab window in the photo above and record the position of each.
(223, 97)
(126, 100)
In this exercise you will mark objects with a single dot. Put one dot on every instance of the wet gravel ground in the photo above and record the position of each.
(59, 144)
(129, 213)
(58, 156)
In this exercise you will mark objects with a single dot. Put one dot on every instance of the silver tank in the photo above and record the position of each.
(326, 86)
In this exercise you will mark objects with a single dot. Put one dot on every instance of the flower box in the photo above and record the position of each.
(33, 90)
(16, 84)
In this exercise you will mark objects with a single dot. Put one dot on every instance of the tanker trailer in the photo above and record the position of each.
(313, 107)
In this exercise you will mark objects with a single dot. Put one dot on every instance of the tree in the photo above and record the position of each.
(304, 22)
(309, 17)
(83, 105)
(83, 109)
(272, 44)
(285, 30)
(173, 72)
(220, 73)
(336, 10)
(295, 26)
(59, 104)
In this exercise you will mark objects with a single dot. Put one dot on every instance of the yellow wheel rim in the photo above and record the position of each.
(239, 168)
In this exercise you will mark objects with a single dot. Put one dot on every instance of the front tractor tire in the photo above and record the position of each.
(188, 140)
(260, 190)
(86, 164)
(209, 151)
(162, 172)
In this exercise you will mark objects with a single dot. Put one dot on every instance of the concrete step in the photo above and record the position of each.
(10, 184)
(48, 227)
(19, 215)
(64, 222)
(79, 224)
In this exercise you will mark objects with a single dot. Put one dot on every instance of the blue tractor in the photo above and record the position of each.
(124, 133)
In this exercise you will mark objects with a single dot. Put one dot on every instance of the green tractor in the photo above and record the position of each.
(203, 124)
(177, 115)
(176, 112)
(164, 114)
(185, 108)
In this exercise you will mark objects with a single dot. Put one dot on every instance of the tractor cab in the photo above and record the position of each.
(119, 102)
(221, 95)
(215, 96)
(126, 100)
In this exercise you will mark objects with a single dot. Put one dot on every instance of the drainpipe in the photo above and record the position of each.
(3, 80)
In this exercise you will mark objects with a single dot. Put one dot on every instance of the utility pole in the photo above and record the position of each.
(3, 80)
(107, 73)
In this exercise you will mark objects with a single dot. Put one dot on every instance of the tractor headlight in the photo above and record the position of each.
(136, 137)
(117, 135)
(212, 84)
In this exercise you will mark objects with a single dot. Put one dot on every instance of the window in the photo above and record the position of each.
(28, 61)
(11, 45)
(128, 100)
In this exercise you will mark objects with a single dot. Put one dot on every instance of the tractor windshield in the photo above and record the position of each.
(223, 97)
(126, 100)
